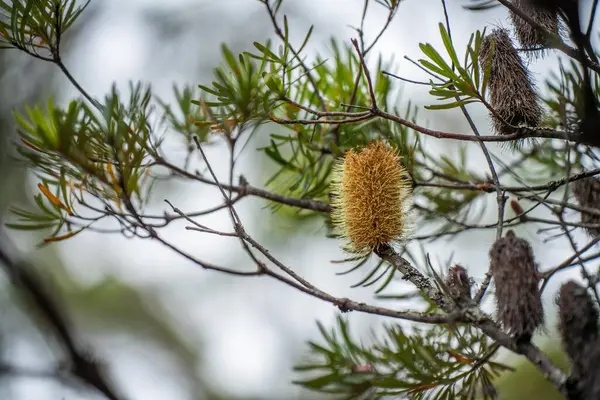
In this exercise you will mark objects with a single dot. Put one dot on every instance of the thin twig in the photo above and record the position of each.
(307, 72)
(500, 198)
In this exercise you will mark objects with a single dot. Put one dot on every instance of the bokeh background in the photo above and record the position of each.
(166, 328)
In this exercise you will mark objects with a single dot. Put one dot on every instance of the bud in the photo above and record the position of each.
(459, 284)
(587, 193)
(371, 198)
(363, 369)
(578, 327)
(532, 39)
(512, 94)
(518, 300)
(516, 207)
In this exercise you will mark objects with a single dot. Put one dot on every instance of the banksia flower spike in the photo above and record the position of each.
(578, 327)
(512, 94)
(587, 193)
(530, 38)
(518, 300)
(371, 193)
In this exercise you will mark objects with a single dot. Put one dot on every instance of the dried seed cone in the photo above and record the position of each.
(529, 37)
(578, 327)
(577, 322)
(518, 300)
(512, 92)
(587, 193)
(589, 382)
(459, 284)
(371, 193)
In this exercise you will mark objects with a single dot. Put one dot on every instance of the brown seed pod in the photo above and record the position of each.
(371, 198)
(578, 327)
(587, 193)
(532, 39)
(518, 300)
(459, 284)
(577, 322)
(590, 382)
(512, 91)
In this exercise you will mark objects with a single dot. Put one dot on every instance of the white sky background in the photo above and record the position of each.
(253, 328)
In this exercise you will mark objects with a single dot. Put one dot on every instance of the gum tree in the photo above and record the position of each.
(356, 157)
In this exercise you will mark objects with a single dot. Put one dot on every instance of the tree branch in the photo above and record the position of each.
(82, 366)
